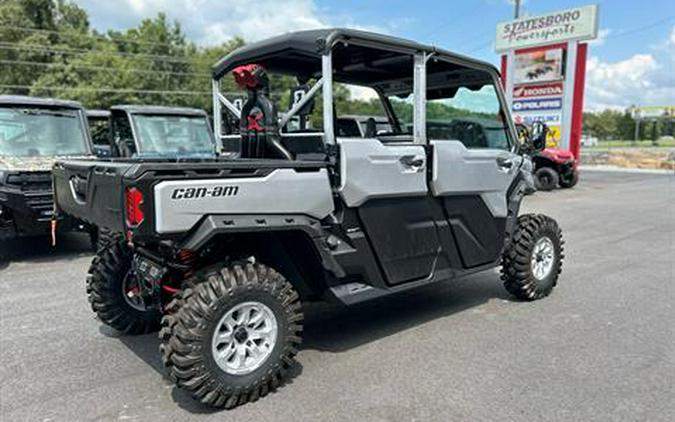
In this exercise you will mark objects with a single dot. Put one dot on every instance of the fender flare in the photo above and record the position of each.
(215, 224)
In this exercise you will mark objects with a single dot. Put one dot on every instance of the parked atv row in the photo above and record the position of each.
(220, 253)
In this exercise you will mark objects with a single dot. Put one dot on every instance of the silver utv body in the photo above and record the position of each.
(427, 209)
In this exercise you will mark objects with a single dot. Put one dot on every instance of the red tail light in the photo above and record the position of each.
(134, 200)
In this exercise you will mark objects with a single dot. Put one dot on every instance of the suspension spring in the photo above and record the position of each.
(187, 258)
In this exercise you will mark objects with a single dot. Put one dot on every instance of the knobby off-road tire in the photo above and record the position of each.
(546, 178)
(105, 236)
(526, 272)
(569, 181)
(107, 285)
(194, 320)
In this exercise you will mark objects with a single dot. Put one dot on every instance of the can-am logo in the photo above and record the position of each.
(204, 192)
(540, 90)
(538, 105)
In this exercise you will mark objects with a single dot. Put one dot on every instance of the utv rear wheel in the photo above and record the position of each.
(546, 178)
(105, 236)
(234, 335)
(533, 260)
(113, 292)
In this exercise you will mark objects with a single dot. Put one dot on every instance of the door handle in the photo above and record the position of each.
(505, 162)
(412, 161)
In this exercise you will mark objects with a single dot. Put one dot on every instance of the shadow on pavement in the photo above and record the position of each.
(146, 347)
(39, 249)
(336, 328)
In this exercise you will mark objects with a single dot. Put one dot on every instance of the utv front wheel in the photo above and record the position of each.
(533, 259)
(569, 181)
(114, 292)
(234, 336)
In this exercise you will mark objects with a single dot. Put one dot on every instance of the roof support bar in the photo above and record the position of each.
(327, 78)
(420, 97)
(230, 107)
(300, 104)
(217, 117)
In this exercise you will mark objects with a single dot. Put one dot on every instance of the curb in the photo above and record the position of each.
(615, 169)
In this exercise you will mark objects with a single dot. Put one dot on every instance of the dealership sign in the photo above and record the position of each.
(580, 23)
(538, 104)
(538, 90)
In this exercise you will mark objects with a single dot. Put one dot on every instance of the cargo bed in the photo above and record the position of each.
(94, 190)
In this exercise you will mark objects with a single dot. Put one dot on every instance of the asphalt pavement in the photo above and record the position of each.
(601, 347)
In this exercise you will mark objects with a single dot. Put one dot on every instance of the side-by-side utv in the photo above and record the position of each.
(144, 131)
(220, 254)
(34, 133)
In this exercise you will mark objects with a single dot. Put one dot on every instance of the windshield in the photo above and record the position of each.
(173, 135)
(39, 132)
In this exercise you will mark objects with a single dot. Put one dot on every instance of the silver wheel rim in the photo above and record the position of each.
(131, 292)
(244, 338)
(543, 255)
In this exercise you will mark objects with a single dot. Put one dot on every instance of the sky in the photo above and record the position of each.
(631, 63)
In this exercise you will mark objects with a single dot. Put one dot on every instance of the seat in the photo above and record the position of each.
(371, 128)
(258, 123)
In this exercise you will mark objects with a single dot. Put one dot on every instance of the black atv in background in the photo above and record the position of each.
(148, 132)
(34, 134)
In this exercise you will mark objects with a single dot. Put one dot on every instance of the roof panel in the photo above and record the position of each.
(311, 44)
(25, 100)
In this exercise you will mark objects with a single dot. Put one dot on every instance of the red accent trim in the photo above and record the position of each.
(253, 122)
(578, 99)
(170, 290)
(504, 66)
(541, 48)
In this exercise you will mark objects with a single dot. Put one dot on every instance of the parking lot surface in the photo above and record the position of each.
(601, 347)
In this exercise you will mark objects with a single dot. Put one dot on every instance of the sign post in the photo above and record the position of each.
(543, 70)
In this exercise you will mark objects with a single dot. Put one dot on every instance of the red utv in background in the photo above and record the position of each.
(555, 167)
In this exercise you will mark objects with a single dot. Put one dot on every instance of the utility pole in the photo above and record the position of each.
(516, 13)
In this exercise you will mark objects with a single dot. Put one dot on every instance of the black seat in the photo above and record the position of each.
(258, 123)
(371, 128)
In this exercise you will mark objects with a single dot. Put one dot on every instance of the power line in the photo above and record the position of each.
(480, 47)
(103, 68)
(82, 51)
(110, 90)
(88, 35)
(128, 90)
(642, 28)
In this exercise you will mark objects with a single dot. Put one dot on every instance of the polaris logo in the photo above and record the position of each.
(538, 105)
(198, 193)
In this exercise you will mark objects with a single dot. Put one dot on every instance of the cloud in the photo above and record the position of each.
(602, 36)
(642, 79)
(212, 22)
(636, 80)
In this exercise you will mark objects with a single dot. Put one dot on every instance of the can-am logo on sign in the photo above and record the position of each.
(538, 105)
(540, 90)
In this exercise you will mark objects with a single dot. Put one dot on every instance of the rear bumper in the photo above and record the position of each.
(25, 214)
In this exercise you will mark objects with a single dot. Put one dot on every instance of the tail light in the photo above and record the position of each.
(134, 200)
